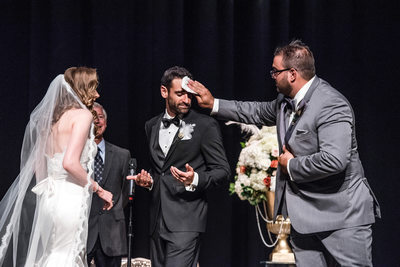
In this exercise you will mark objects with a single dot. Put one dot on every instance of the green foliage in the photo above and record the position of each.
(253, 196)
(232, 188)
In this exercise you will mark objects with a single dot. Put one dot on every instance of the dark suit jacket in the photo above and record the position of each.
(183, 210)
(110, 225)
(329, 190)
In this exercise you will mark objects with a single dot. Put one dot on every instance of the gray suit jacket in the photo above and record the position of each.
(110, 225)
(329, 190)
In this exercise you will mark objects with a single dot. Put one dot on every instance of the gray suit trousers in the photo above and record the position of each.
(343, 247)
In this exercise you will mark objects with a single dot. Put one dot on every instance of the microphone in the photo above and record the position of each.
(132, 171)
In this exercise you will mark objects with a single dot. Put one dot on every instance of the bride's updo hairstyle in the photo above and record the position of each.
(84, 82)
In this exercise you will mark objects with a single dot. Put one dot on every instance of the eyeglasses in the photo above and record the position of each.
(274, 73)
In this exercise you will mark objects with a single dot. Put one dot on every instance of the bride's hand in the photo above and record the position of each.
(107, 197)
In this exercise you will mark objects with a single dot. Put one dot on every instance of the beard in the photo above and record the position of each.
(284, 87)
(178, 108)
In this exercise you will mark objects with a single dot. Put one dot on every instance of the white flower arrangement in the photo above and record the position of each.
(256, 168)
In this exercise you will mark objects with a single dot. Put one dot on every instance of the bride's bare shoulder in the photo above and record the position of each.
(78, 114)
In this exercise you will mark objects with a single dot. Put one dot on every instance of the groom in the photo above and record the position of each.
(188, 158)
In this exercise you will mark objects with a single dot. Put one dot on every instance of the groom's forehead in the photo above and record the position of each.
(176, 85)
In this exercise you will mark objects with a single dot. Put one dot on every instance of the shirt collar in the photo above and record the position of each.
(166, 115)
(302, 92)
(102, 145)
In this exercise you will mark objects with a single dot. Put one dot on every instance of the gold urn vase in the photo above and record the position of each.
(282, 253)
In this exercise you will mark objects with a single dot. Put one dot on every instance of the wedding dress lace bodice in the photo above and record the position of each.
(55, 170)
(64, 206)
(54, 164)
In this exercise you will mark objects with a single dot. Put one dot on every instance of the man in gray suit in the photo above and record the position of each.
(320, 181)
(107, 232)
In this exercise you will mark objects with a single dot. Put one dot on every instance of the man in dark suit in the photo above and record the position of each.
(188, 158)
(107, 232)
(320, 180)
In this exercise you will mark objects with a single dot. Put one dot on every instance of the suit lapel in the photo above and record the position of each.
(153, 141)
(306, 99)
(107, 163)
(173, 146)
(280, 128)
(311, 90)
(188, 118)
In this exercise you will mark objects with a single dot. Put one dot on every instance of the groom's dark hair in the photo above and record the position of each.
(173, 73)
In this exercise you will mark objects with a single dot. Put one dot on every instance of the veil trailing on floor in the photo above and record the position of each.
(24, 234)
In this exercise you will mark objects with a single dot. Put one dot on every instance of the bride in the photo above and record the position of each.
(44, 214)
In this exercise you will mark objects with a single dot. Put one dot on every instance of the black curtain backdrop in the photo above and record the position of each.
(228, 46)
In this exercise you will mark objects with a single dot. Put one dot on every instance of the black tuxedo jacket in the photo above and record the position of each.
(109, 225)
(184, 210)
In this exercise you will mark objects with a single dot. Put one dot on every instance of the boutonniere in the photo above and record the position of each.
(300, 111)
(186, 130)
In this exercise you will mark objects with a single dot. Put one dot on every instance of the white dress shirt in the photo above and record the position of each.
(165, 138)
(298, 97)
(166, 135)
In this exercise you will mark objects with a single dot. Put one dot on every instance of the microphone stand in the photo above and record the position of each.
(132, 171)
(130, 232)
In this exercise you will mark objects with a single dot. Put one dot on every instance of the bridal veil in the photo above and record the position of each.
(24, 235)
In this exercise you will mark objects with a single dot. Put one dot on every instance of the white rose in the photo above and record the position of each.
(243, 179)
(275, 152)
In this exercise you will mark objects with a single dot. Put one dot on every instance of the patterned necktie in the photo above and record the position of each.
(289, 130)
(288, 109)
(98, 166)
(289, 106)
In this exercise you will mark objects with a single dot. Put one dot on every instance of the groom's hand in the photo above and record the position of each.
(185, 177)
(142, 179)
(205, 98)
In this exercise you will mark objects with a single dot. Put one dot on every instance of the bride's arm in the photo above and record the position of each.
(71, 163)
(79, 134)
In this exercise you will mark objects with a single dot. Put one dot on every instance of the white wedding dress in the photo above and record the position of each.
(44, 214)
(63, 207)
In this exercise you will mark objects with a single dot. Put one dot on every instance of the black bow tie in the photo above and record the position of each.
(167, 122)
